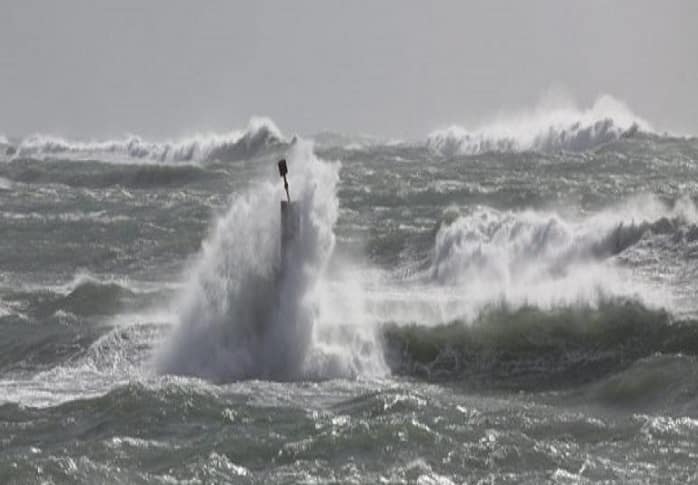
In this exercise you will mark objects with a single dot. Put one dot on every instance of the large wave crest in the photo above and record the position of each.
(260, 134)
(545, 129)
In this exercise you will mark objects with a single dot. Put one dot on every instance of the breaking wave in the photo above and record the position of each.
(535, 300)
(544, 130)
(544, 257)
(260, 134)
(487, 258)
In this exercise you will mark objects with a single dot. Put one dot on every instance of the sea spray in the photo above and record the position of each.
(545, 129)
(244, 314)
(549, 127)
(485, 256)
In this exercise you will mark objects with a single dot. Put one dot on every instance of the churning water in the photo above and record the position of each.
(510, 304)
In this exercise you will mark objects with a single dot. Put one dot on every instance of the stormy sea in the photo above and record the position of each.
(511, 303)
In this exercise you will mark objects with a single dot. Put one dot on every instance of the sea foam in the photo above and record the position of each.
(562, 127)
(261, 133)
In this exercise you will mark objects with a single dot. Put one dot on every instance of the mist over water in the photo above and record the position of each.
(515, 300)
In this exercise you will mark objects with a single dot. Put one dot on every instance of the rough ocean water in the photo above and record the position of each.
(511, 304)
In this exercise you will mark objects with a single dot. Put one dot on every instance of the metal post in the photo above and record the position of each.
(289, 215)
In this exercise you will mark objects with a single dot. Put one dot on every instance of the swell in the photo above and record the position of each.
(47, 326)
(661, 381)
(85, 296)
(91, 297)
(35, 344)
(536, 349)
(93, 174)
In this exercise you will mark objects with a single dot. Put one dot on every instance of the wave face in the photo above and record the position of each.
(89, 296)
(243, 314)
(261, 134)
(544, 130)
(535, 349)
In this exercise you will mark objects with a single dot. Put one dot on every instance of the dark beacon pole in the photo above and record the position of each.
(283, 170)
(289, 215)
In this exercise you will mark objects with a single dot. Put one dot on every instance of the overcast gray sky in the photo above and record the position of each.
(394, 68)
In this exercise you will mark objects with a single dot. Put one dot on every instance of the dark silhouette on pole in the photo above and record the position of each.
(283, 170)
(290, 216)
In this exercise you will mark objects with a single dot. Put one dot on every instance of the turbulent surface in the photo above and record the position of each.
(479, 306)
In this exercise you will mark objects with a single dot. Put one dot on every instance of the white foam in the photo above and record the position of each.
(486, 257)
(260, 132)
(561, 126)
